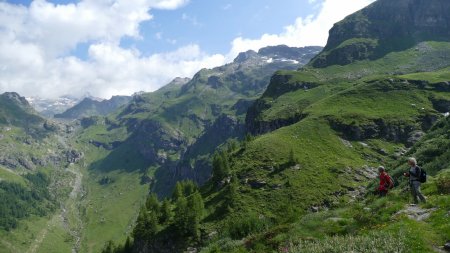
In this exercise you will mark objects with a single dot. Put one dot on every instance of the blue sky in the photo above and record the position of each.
(50, 48)
(210, 24)
(214, 24)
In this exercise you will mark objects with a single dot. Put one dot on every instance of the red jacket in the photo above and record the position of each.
(385, 182)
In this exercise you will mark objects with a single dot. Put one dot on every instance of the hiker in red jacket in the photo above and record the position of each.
(386, 182)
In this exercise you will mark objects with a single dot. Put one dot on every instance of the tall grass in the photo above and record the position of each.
(373, 242)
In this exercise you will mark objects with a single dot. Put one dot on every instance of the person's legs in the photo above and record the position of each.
(418, 192)
(413, 192)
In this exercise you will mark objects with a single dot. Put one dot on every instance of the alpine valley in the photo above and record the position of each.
(276, 151)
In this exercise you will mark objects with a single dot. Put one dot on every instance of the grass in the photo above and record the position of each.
(322, 159)
(108, 211)
(442, 75)
(373, 242)
(20, 239)
(11, 176)
(375, 100)
(57, 240)
(294, 103)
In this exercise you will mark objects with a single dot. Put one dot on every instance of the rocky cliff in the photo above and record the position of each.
(383, 27)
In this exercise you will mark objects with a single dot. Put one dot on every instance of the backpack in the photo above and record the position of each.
(390, 182)
(422, 176)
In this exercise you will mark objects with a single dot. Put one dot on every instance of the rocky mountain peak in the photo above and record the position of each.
(383, 27)
(245, 56)
(15, 98)
(179, 81)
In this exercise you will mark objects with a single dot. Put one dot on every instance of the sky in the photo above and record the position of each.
(52, 48)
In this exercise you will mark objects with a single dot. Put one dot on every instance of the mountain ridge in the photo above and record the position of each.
(383, 27)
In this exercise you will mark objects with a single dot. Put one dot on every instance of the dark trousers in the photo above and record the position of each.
(415, 192)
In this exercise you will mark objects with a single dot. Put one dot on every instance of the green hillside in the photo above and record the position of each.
(34, 179)
(276, 151)
(305, 181)
(166, 136)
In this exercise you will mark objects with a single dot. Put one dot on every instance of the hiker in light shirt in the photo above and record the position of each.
(414, 180)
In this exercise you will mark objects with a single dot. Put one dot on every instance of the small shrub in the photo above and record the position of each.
(242, 226)
(443, 185)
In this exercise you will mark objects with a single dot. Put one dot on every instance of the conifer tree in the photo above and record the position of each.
(196, 208)
(177, 192)
(166, 212)
(152, 204)
(181, 215)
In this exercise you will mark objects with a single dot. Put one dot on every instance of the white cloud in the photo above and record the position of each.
(169, 4)
(35, 45)
(36, 41)
(312, 30)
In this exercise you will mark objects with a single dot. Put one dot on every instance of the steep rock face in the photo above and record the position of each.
(280, 83)
(258, 127)
(14, 98)
(224, 128)
(158, 141)
(378, 128)
(383, 27)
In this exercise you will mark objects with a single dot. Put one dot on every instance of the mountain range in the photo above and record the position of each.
(276, 151)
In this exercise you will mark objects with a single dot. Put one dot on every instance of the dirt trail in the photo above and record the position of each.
(417, 213)
(420, 214)
(43, 233)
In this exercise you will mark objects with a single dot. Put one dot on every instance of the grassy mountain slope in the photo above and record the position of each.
(167, 135)
(321, 132)
(34, 184)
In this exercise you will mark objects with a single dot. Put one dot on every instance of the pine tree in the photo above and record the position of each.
(128, 245)
(196, 208)
(178, 191)
(152, 204)
(181, 215)
(146, 225)
(225, 164)
(221, 167)
(232, 194)
(166, 212)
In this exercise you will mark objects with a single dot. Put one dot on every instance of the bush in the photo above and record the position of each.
(242, 226)
(443, 185)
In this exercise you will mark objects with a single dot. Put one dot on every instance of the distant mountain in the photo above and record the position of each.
(93, 107)
(16, 111)
(383, 27)
(50, 107)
